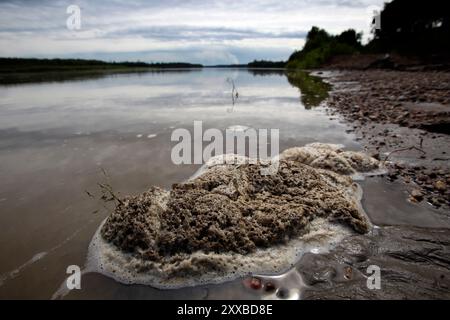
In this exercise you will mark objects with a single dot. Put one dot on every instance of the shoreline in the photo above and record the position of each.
(413, 259)
(401, 118)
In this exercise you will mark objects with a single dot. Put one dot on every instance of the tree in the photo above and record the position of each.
(412, 26)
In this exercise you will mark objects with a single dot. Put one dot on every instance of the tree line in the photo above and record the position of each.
(47, 65)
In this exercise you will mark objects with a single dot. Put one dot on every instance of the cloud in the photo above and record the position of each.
(173, 30)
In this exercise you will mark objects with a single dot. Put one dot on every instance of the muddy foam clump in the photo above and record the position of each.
(231, 220)
(333, 157)
(200, 267)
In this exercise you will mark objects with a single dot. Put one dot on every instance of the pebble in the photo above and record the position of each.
(440, 185)
(348, 272)
(283, 293)
(255, 284)
(417, 195)
(269, 287)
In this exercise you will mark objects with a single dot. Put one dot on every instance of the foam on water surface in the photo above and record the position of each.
(106, 259)
(328, 163)
(238, 128)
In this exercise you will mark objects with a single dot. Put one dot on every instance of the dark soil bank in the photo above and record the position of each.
(403, 118)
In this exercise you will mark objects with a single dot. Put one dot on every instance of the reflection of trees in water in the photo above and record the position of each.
(173, 70)
(266, 72)
(313, 90)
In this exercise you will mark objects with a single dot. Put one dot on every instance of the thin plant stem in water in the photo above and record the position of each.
(234, 93)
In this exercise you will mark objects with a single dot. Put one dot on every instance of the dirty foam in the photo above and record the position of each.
(163, 263)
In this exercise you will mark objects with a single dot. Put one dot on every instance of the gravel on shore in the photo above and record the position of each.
(402, 118)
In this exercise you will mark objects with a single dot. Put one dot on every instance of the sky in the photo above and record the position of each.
(208, 32)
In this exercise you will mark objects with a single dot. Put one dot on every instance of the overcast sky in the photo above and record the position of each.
(208, 31)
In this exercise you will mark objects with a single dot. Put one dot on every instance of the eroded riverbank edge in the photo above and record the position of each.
(413, 257)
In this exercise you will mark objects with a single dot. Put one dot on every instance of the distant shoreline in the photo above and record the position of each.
(60, 76)
(21, 70)
(15, 71)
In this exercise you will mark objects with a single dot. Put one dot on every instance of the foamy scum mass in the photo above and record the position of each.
(230, 220)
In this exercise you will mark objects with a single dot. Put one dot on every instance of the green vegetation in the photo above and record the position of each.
(17, 70)
(407, 27)
(320, 46)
